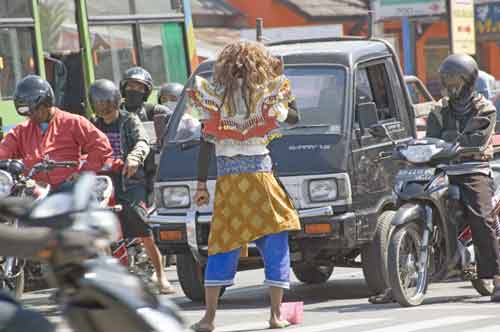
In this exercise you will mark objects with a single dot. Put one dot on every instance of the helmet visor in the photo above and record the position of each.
(23, 109)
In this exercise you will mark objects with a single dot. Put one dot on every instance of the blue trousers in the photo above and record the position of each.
(221, 268)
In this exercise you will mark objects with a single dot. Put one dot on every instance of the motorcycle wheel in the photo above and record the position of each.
(484, 287)
(408, 285)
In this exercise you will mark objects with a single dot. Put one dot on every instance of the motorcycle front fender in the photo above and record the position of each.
(409, 212)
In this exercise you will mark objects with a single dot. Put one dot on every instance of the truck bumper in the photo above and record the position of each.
(321, 229)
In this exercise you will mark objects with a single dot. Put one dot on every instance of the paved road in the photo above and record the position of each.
(339, 305)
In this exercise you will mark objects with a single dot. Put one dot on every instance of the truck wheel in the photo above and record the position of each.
(312, 274)
(374, 254)
(191, 277)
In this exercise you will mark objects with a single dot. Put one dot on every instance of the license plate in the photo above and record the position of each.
(418, 174)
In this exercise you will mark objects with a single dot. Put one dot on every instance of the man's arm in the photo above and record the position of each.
(434, 128)
(9, 146)
(482, 137)
(138, 135)
(94, 143)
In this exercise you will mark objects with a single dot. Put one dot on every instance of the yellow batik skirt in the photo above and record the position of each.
(248, 206)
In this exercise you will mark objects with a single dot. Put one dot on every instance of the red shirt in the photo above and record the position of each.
(67, 138)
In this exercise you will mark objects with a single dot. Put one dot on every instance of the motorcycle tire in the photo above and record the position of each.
(312, 274)
(374, 254)
(484, 287)
(191, 276)
(399, 292)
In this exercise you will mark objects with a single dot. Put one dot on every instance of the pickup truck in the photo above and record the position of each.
(329, 164)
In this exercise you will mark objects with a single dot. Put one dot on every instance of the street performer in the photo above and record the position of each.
(240, 108)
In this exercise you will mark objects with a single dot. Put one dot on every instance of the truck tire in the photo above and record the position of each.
(191, 277)
(312, 274)
(374, 254)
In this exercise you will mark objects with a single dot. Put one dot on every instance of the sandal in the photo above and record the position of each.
(385, 297)
(202, 327)
(169, 290)
(279, 324)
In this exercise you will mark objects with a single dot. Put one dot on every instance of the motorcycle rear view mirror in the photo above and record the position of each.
(477, 123)
(83, 191)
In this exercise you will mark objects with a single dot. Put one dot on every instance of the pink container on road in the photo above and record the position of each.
(293, 312)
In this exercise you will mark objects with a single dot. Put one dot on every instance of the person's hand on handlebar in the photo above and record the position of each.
(130, 168)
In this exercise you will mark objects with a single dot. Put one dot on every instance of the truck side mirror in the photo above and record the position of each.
(367, 115)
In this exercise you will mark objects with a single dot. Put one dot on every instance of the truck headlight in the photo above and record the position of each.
(176, 196)
(6, 184)
(323, 190)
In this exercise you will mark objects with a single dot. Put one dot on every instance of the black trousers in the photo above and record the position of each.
(476, 192)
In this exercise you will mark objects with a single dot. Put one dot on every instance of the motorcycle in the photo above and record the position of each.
(430, 240)
(17, 274)
(94, 286)
(129, 252)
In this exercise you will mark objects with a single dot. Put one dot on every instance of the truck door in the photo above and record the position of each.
(372, 180)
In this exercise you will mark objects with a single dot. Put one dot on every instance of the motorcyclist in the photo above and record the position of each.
(472, 175)
(130, 143)
(136, 87)
(169, 94)
(52, 133)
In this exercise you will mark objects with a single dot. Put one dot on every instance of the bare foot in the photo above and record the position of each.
(278, 323)
(203, 326)
(166, 288)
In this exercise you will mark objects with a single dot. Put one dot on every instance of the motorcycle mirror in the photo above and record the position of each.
(477, 123)
(82, 193)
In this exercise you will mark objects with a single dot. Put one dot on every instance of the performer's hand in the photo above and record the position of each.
(202, 197)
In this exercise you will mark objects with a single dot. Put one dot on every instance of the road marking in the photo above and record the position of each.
(431, 323)
(302, 328)
(489, 328)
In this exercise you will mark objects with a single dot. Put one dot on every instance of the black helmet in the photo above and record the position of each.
(170, 89)
(138, 74)
(31, 92)
(104, 90)
(458, 74)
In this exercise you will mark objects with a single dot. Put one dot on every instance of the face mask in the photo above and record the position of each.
(170, 104)
(133, 99)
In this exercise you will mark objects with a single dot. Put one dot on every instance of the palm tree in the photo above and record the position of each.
(53, 14)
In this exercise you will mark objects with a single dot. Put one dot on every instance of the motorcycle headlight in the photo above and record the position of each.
(103, 188)
(6, 184)
(324, 190)
(176, 197)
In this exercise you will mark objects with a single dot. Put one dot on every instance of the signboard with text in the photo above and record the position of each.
(385, 9)
(463, 35)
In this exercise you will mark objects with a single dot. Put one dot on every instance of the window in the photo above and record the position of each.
(15, 8)
(128, 7)
(16, 58)
(372, 85)
(320, 97)
(58, 25)
(154, 52)
(113, 50)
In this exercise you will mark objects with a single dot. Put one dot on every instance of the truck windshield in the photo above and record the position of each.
(320, 96)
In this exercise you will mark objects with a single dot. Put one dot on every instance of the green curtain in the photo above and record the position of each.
(174, 52)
